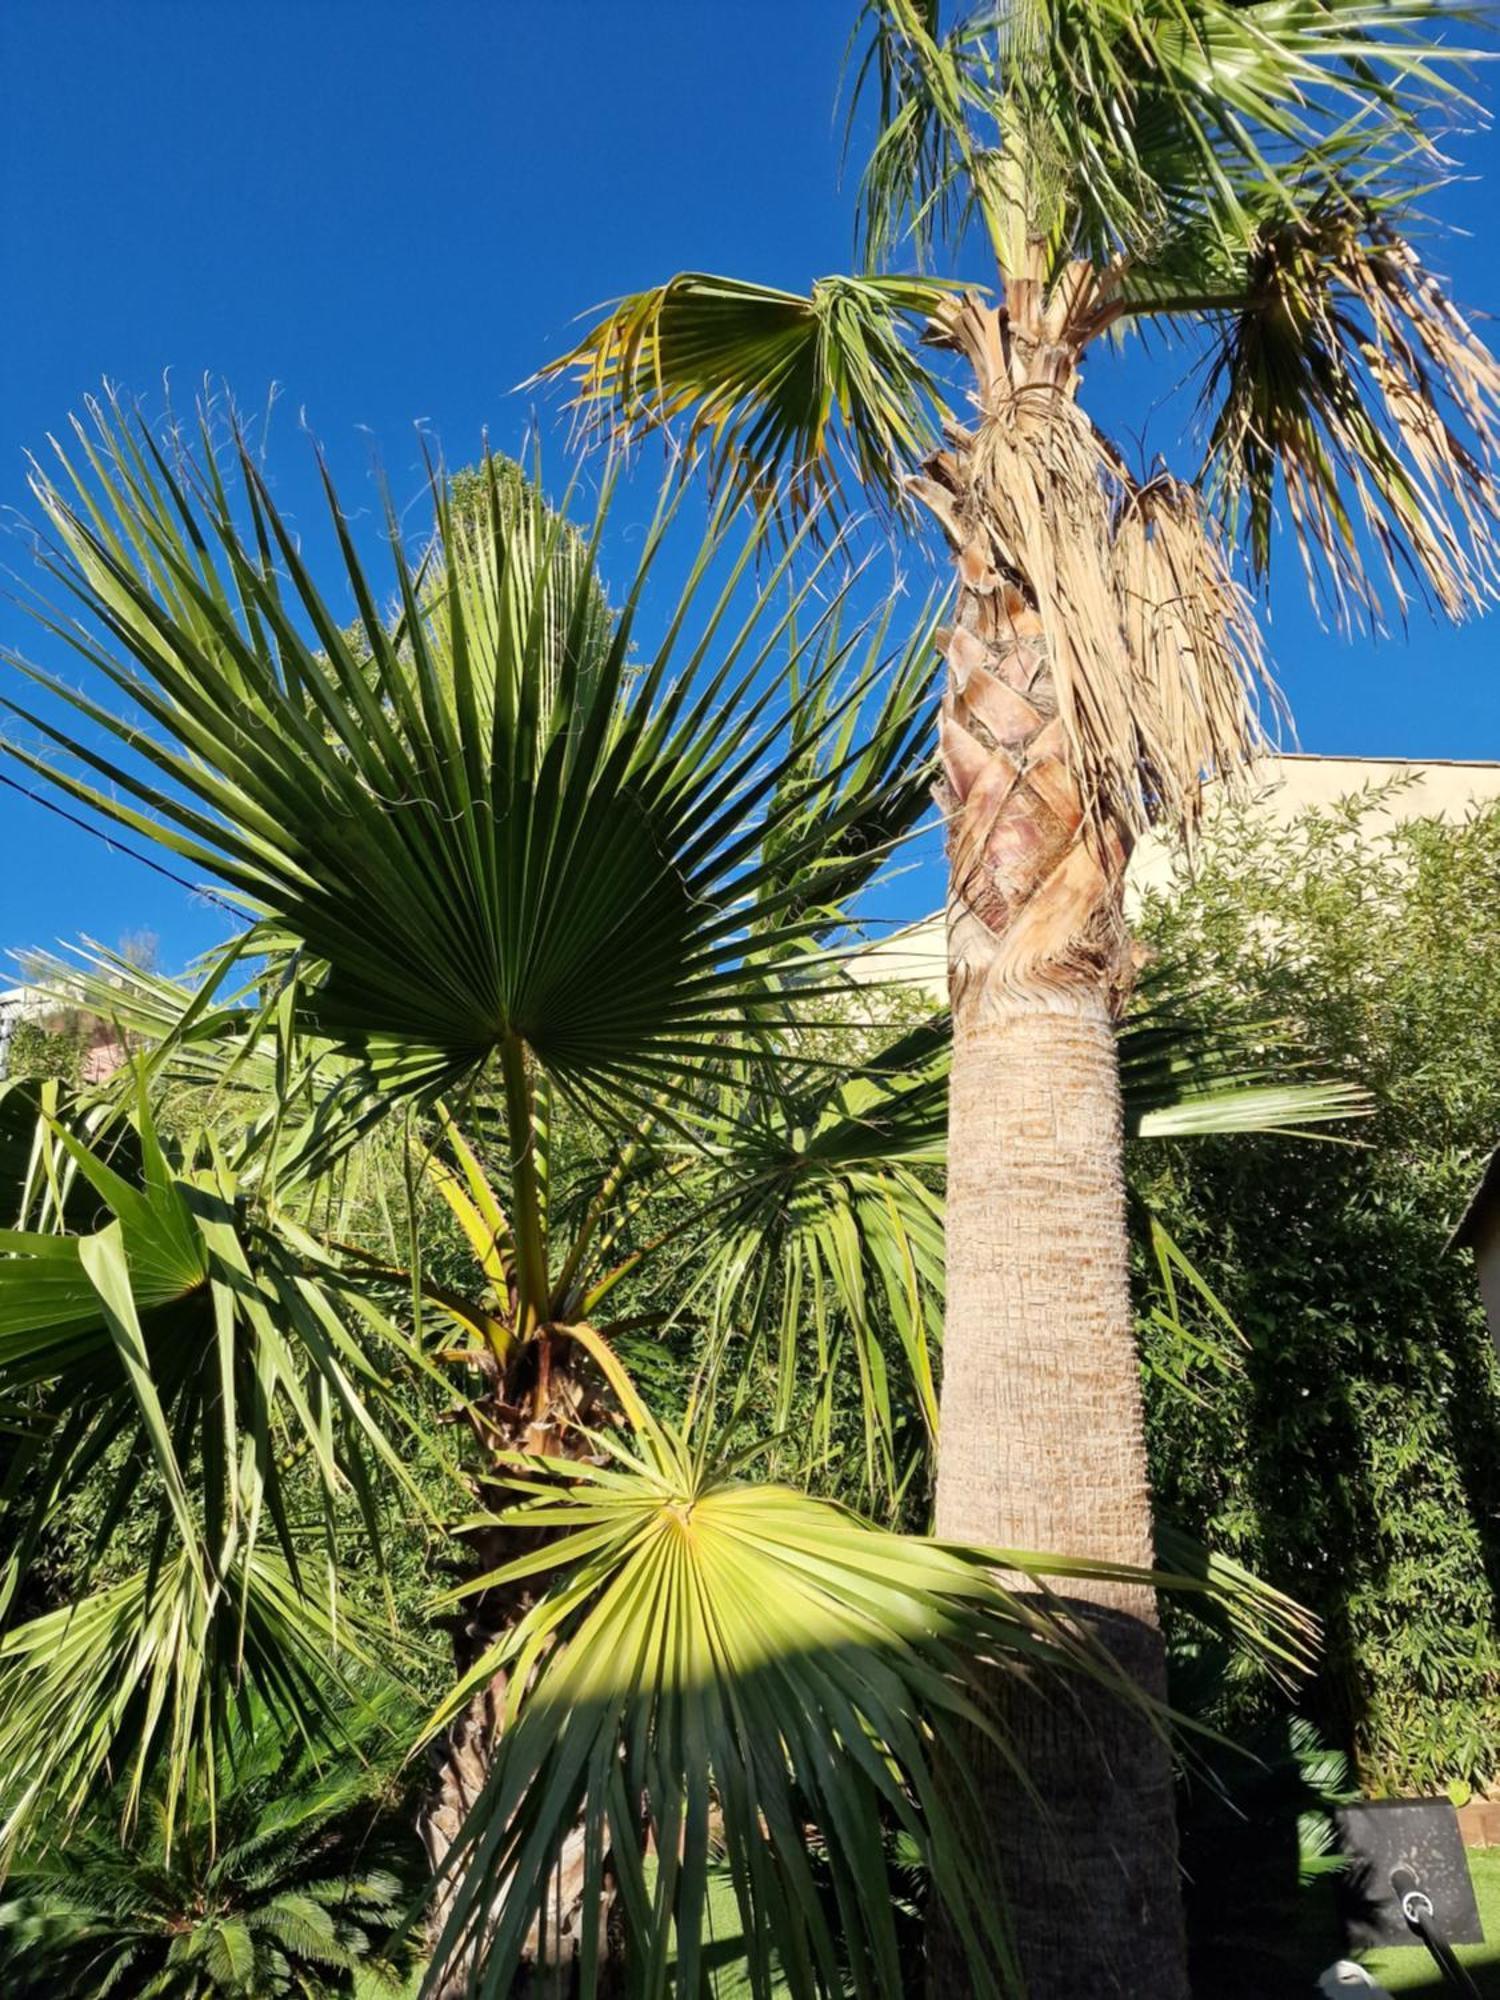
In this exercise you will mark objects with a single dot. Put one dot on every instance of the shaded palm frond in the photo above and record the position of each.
(140, 1680)
(1262, 1624)
(821, 1252)
(814, 1229)
(782, 391)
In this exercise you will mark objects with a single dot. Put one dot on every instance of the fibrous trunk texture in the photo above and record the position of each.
(461, 1759)
(1041, 1442)
(1042, 1449)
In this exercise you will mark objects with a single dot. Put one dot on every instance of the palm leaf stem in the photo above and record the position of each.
(532, 1286)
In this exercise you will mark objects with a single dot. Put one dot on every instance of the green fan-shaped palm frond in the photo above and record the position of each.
(727, 1666)
(159, 1326)
(1102, 128)
(875, 756)
(140, 1679)
(175, 1331)
(776, 386)
(562, 846)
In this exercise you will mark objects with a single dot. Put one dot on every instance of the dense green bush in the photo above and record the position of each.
(293, 1874)
(41, 1051)
(1349, 1451)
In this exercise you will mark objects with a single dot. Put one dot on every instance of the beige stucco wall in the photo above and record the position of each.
(1285, 787)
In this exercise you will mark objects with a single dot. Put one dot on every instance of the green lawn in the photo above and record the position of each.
(1414, 1972)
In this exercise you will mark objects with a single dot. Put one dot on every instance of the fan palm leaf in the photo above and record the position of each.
(208, 1376)
(540, 827)
(143, 1677)
(716, 1645)
(777, 386)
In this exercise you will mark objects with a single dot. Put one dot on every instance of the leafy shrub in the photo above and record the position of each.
(1349, 1453)
(295, 1882)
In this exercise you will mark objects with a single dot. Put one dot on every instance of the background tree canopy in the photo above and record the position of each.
(1348, 1450)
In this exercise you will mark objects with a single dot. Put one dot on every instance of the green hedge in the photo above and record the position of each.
(1351, 1452)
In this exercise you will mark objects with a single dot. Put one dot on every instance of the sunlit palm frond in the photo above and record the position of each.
(921, 179)
(1101, 128)
(784, 392)
(209, 1029)
(1188, 1071)
(728, 1667)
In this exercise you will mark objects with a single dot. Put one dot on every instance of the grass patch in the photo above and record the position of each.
(1413, 1972)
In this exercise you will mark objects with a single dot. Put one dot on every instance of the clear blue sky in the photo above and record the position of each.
(394, 211)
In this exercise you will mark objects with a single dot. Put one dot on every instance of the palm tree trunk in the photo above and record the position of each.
(461, 1759)
(1041, 1417)
(1042, 1449)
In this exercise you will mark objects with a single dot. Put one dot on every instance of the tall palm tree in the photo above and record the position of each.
(1242, 174)
(548, 914)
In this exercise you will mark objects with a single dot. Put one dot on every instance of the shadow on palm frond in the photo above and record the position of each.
(736, 1683)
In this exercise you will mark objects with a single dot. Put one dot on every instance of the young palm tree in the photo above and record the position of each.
(1242, 174)
(550, 915)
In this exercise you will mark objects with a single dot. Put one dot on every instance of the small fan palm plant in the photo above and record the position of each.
(546, 906)
(289, 1873)
(1241, 177)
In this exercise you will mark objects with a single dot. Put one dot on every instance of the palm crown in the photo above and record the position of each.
(1249, 173)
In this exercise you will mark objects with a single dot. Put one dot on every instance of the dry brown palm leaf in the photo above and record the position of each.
(1351, 370)
(1145, 647)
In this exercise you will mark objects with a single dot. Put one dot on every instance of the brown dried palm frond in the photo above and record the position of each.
(1154, 662)
(1350, 368)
